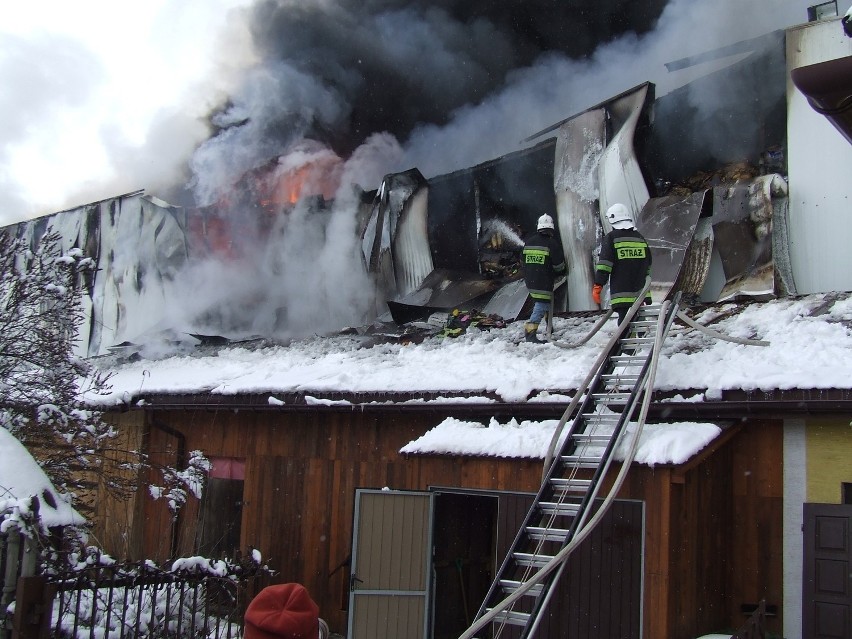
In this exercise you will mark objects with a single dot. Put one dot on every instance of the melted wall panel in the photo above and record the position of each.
(579, 146)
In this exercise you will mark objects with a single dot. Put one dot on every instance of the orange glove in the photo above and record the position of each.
(596, 293)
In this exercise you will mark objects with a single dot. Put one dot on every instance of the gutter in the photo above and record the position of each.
(734, 404)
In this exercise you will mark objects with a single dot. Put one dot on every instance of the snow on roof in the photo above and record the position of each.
(658, 444)
(22, 478)
(810, 347)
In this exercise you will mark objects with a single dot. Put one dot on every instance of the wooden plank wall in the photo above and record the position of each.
(301, 474)
(302, 470)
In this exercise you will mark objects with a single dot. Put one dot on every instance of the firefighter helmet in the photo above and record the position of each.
(545, 222)
(619, 216)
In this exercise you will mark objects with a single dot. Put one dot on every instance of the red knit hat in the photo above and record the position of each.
(283, 611)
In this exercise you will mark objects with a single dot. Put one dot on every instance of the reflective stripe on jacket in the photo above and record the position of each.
(542, 261)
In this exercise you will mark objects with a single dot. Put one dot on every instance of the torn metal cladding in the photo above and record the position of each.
(713, 243)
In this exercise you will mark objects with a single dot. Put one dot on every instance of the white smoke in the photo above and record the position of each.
(101, 98)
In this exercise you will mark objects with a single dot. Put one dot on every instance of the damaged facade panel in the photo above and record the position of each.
(443, 290)
(669, 224)
(708, 237)
(472, 225)
(694, 278)
(138, 246)
(742, 228)
(579, 145)
(619, 175)
(395, 241)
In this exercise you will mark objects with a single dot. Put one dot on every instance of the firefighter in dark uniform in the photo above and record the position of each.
(542, 261)
(624, 260)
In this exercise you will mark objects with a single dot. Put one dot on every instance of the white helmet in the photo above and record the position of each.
(619, 216)
(545, 222)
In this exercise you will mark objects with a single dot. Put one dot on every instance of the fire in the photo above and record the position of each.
(296, 177)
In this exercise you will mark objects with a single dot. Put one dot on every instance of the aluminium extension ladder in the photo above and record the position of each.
(562, 514)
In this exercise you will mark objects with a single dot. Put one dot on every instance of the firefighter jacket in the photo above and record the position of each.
(625, 260)
(542, 261)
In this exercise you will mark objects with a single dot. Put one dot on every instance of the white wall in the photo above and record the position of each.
(819, 167)
(795, 487)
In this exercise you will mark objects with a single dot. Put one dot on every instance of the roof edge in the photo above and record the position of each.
(666, 405)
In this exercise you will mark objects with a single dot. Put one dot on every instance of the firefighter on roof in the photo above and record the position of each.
(542, 261)
(624, 260)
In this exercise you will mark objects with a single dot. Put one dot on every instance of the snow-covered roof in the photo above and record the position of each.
(809, 347)
(21, 479)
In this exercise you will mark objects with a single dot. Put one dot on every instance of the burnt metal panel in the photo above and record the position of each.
(394, 241)
(452, 222)
(742, 226)
(669, 224)
(620, 176)
(827, 592)
(579, 147)
(508, 301)
(444, 290)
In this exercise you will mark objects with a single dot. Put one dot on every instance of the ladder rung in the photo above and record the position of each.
(611, 398)
(540, 533)
(598, 419)
(638, 340)
(573, 462)
(530, 560)
(566, 485)
(583, 461)
(562, 509)
(510, 585)
(510, 617)
(620, 377)
(600, 440)
(629, 360)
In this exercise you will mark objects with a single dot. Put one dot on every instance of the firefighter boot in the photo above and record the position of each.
(530, 333)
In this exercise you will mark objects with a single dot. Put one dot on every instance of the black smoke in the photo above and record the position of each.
(339, 72)
(397, 63)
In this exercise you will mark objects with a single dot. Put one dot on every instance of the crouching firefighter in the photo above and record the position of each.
(542, 262)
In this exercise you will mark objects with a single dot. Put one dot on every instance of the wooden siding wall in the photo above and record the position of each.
(758, 500)
(713, 535)
(114, 522)
(713, 532)
(301, 474)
